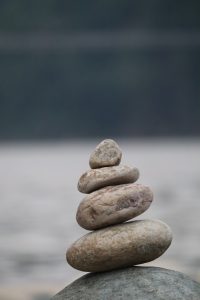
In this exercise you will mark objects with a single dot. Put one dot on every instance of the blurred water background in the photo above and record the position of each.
(39, 199)
(71, 74)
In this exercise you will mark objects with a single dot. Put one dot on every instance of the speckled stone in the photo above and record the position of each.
(113, 205)
(120, 246)
(98, 178)
(106, 154)
(136, 283)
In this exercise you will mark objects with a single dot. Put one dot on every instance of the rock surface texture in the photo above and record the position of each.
(107, 153)
(120, 246)
(99, 178)
(136, 283)
(113, 205)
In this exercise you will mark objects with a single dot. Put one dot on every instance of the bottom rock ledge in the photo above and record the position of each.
(136, 283)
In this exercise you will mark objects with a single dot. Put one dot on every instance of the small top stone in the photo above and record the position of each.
(106, 154)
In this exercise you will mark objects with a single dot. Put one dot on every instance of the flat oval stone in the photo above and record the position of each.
(107, 153)
(120, 246)
(113, 205)
(98, 178)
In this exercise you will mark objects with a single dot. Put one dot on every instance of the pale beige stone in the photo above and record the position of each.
(98, 178)
(120, 246)
(107, 153)
(113, 205)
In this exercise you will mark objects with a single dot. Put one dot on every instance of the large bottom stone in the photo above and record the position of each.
(136, 283)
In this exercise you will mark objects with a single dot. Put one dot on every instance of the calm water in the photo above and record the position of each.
(39, 199)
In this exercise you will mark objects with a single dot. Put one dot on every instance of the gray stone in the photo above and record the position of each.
(106, 154)
(113, 205)
(95, 179)
(119, 246)
(137, 283)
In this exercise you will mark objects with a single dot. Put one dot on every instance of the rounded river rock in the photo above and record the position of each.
(120, 246)
(137, 283)
(107, 153)
(98, 178)
(112, 205)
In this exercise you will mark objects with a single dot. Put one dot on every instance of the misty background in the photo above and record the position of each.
(71, 74)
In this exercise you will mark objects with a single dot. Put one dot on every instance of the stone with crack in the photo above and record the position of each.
(112, 205)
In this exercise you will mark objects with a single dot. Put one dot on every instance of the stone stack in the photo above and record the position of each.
(114, 198)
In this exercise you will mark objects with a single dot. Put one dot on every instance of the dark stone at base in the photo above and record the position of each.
(136, 283)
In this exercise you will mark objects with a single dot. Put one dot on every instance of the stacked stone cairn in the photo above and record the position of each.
(114, 198)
